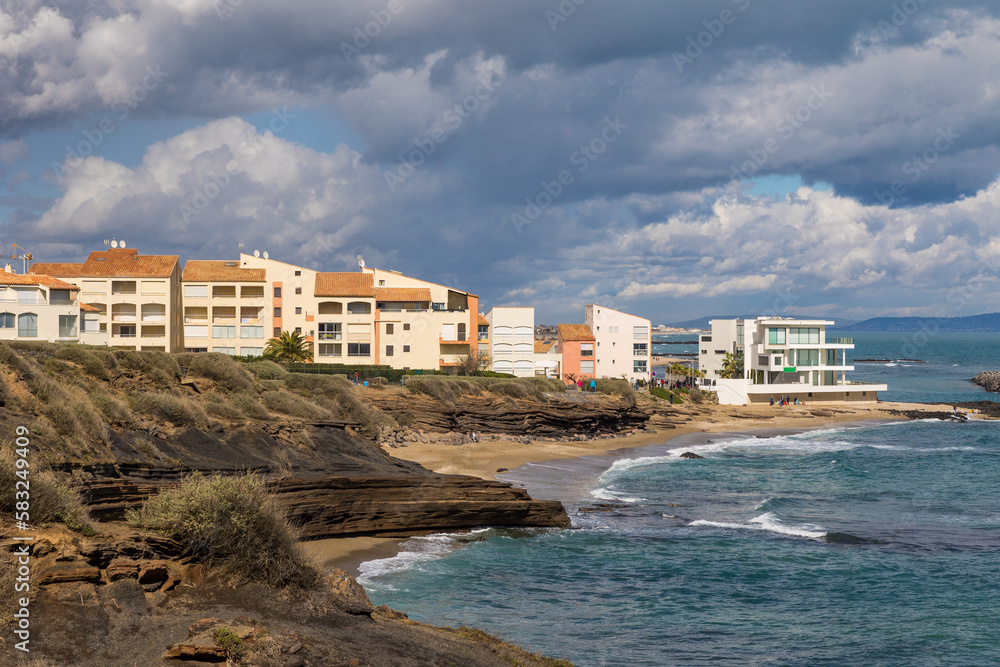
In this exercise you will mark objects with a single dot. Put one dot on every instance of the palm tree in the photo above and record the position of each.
(290, 346)
(732, 366)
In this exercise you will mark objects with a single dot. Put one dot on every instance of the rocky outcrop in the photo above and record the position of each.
(988, 380)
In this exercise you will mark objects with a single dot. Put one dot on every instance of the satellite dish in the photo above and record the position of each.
(265, 254)
(121, 244)
(256, 253)
(361, 261)
(114, 243)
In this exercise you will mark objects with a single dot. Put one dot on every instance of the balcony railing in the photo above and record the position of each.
(62, 302)
(330, 335)
(840, 341)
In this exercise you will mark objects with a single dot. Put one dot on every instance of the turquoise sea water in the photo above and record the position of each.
(864, 544)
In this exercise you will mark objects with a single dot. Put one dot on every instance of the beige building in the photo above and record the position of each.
(36, 307)
(226, 308)
(137, 297)
(512, 337)
(623, 343)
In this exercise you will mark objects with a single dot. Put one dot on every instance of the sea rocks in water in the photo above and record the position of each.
(988, 380)
(691, 455)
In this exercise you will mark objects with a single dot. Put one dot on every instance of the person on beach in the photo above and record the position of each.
(593, 386)
(772, 401)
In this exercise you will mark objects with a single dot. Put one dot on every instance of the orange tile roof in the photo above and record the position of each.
(88, 308)
(544, 345)
(483, 321)
(345, 284)
(115, 262)
(43, 281)
(402, 294)
(575, 332)
(218, 270)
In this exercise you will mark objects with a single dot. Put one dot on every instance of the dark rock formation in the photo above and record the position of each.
(988, 380)
(691, 455)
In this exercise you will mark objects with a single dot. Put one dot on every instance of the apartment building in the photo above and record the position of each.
(548, 360)
(784, 357)
(226, 308)
(623, 343)
(725, 337)
(512, 339)
(344, 320)
(36, 307)
(483, 337)
(576, 347)
(137, 298)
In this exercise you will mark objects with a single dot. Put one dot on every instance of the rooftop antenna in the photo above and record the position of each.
(241, 247)
(361, 262)
(106, 244)
(256, 253)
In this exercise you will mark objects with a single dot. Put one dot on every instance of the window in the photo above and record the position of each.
(223, 331)
(586, 349)
(6, 320)
(330, 349)
(388, 329)
(381, 283)
(359, 349)
(277, 292)
(27, 325)
(190, 330)
(775, 336)
(252, 351)
(329, 331)
(406, 348)
(640, 333)
(437, 306)
(277, 311)
(67, 326)
(60, 297)
(359, 308)
(720, 351)
(406, 327)
(587, 367)
(298, 273)
(298, 290)
(298, 330)
(125, 331)
(359, 332)
(484, 331)
(250, 331)
(91, 323)
(224, 350)
(639, 349)
(388, 350)
(739, 334)
(298, 310)
(831, 358)
(196, 291)
(762, 360)
(804, 357)
(803, 336)
(277, 332)
(639, 366)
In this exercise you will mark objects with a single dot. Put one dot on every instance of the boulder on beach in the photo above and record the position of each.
(691, 455)
(988, 380)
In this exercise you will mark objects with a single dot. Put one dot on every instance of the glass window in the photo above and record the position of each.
(223, 331)
(298, 310)
(388, 350)
(250, 331)
(298, 290)
(252, 351)
(775, 336)
(329, 331)
(277, 292)
(406, 327)
(67, 326)
(739, 334)
(224, 350)
(639, 349)
(639, 366)
(586, 349)
(388, 329)
(277, 311)
(277, 332)
(640, 333)
(298, 273)
(359, 349)
(406, 348)
(587, 367)
(359, 308)
(329, 349)
(196, 291)
(6, 320)
(27, 325)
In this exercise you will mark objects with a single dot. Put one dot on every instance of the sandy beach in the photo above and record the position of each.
(485, 459)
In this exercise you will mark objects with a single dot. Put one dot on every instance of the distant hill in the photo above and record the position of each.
(703, 322)
(984, 322)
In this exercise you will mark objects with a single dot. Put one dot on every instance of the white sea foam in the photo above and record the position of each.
(769, 523)
(412, 553)
(602, 493)
(891, 364)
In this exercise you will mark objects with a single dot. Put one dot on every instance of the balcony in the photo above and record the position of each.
(461, 340)
(840, 341)
(62, 302)
(330, 335)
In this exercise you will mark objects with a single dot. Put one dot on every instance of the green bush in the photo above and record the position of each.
(50, 500)
(177, 410)
(494, 374)
(296, 406)
(216, 404)
(317, 384)
(148, 362)
(266, 370)
(231, 523)
(249, 406)
(665, 394)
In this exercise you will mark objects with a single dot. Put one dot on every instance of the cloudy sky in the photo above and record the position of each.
(670, 158)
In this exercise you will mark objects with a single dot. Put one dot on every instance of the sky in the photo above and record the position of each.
(672, 159)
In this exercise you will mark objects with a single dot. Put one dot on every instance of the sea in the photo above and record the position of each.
(869, 543)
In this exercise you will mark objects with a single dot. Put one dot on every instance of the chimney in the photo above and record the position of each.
(7, 268)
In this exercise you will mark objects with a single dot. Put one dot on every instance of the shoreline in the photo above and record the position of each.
(486, 459)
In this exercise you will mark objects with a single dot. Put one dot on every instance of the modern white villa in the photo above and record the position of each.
(782, 357)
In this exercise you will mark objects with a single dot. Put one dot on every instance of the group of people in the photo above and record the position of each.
(786, 400)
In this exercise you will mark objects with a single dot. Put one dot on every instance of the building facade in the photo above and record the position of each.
(577, 354)
(512, 337)
(137, 298)
(36, 307)
(783, 357)
(226, 308)
(623, 343)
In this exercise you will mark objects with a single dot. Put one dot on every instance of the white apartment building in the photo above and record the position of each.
(35, 307)
(137, 297)
(226, 308)
(782, 357)
(623, 343)
(512, 340)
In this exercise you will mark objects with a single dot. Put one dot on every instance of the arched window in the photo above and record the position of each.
(359, 308)
(6, 320)
(331, 308)
(27, 325)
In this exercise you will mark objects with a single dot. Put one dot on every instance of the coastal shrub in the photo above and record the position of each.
(218, 405)
(177, 410)
(266, 370)
(616, 387)
(50, 500)
(228, 375)
(378, 382)
(231, 523)
(665, 394)
(514, 390)
(317, 384)
(149, 361)
(247, 403)
(113, 410)
(494, 374)
(291, 404)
